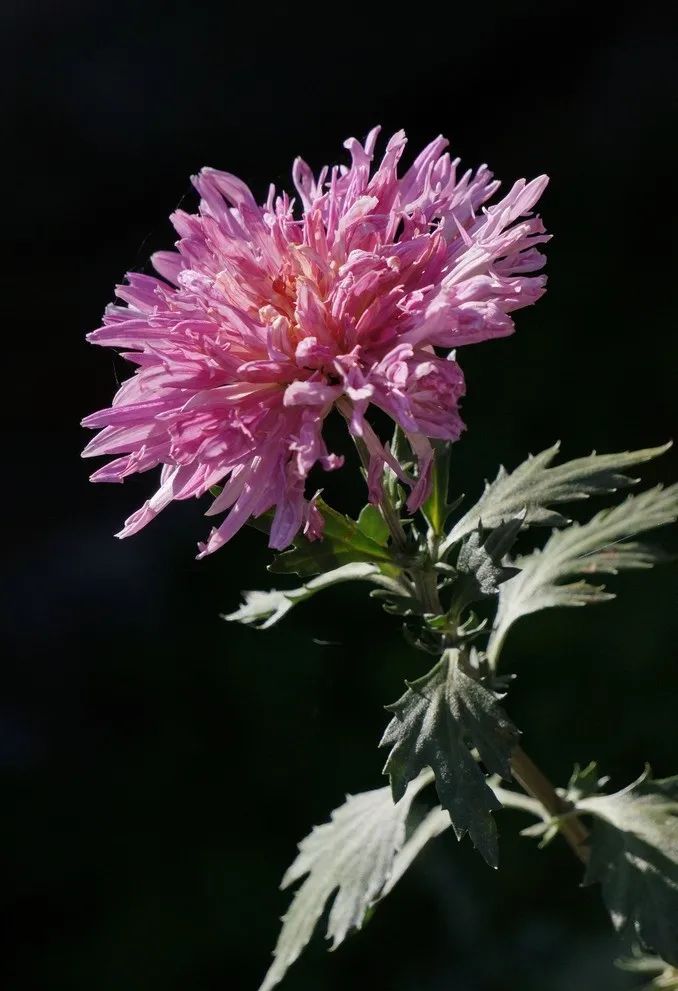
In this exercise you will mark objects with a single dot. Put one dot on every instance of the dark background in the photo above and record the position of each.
(158, 766)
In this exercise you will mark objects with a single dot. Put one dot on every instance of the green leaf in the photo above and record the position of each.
(634, 855)
(343, 542)
(534, 487)
(479, 564)
(588, 549)
(435, 722)
(373, 524)
(353, 854)
(437, 509)
(263, 609)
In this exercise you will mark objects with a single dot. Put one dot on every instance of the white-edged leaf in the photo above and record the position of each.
(634, 855)
(263, 609)
(435, 822)
(665, 976)
(352, 854)
(588, 549)
(535, 486)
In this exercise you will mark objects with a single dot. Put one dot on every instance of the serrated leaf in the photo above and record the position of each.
(373, 524)
(588, 549)
(343, 542)
(534, 487)
(397, 603)
(435, 822)
(263, 609)
(352, 854)
(634, 855)
(479, 563)
(436, 721)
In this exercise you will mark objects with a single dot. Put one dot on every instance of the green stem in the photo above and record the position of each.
(426, 584)
(516, 800)
(535, 783)
(386, 508)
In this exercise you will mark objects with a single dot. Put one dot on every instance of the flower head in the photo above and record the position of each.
(267, 317)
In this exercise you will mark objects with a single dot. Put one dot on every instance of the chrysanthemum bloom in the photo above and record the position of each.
(267, 317)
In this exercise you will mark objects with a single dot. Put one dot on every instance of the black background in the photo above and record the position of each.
(157, 765)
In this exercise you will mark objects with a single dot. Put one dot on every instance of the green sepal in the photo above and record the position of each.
(436, 510)
(373, 524)
(343, 542)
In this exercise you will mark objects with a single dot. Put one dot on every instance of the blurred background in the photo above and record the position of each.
(157, 765)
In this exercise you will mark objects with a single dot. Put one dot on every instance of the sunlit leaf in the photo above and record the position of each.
(593, 548)
(535, 486)
(263, 609)
(435, 822)
(353, 855)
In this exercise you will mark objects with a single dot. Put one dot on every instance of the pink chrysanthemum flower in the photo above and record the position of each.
(267, 317)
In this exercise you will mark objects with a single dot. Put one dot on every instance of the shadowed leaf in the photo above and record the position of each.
(479, 565)
(436, 721)
(634, 855)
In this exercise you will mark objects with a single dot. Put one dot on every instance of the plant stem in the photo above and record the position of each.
(535, 783)
(517, 800)
(426, 584)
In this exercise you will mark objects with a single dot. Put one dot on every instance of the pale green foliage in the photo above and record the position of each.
(263, 609)
(435, 722)
(534, 487)
(354, 855)
(449, 726)
(589, 549)
(663, 977)
(435, 822)
(634, 855)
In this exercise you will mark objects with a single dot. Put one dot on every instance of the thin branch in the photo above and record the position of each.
(517, 800)
(535, 783)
